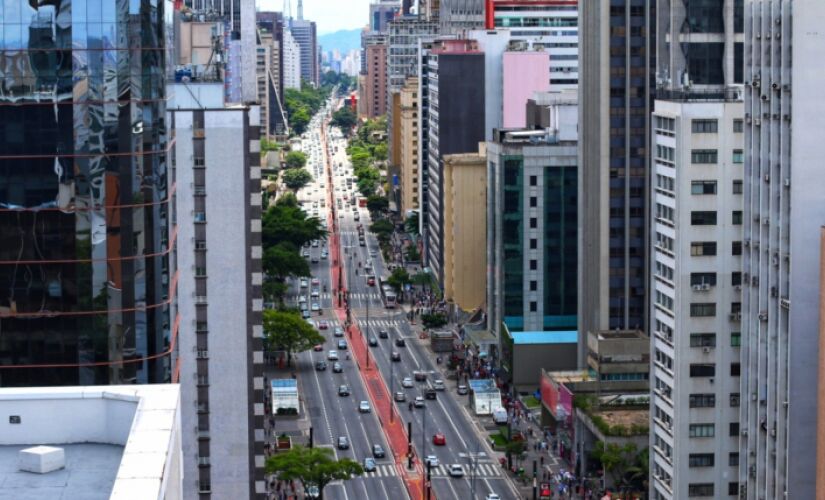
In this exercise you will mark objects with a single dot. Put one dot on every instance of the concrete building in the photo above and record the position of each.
(382, 12)
(784, 210)
(524, 73)
(292, 62)
(465, 229)
(271, 33)
(218, 202)
(375, 88)
(454, 85)
(115, 442)
(409, 173)
(305, 34)
(532, 242)
(459, 16)
(695, 253)
(615, 96)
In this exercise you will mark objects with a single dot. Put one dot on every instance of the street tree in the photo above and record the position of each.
(411, 224)
(382, 228)
(284, 260)
(285, 221)
(436, 320)
(312, 467)
(616, 459)
(413, 255)
(344, 119)
(377, 203)
(296, 178)
(287, 330)
(296, 159)
(398, 279)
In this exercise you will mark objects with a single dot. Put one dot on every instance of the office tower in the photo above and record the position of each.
(459, 16)
(292, 62)
(304, 32)
(408, 177)
(374, 92)
(551, 23)
(273, 114)
(784, 210)
(273, 23)
(382, 12)
(218, 202)
(696, 237)
(532, 244)
(85, 280)
(615, 100)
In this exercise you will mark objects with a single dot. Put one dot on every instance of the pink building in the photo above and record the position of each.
(524, 73)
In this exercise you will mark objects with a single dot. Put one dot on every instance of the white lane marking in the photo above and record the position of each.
(321, 397)
(450, 484)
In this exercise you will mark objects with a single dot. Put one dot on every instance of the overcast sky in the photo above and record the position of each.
(329, 15)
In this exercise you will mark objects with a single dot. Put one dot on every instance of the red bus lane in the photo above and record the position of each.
(393, 428)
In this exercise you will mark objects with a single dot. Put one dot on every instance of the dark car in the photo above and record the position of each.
(343, 443)
(383, 334)
(343, 391)
(337, 368)
(395, 356)
(321, 366)
(400, 342)
(429, 393)
(369, 464)
(342, 345)
(378, 451)
(373, 342)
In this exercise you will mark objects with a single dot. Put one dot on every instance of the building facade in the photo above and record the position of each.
(292, 62)
(305, 34)
(375, 88)
(219, 212)
(783, 212)
(85, 275)
(454, 85)
(409, 173)
(382, 12)
(459, 16)
(617, 55)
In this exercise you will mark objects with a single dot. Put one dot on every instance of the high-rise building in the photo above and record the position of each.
(273, 23)
(617, 57)
(410, 168)
(305, 34)
(784, 210)
(218, 204)
(458, 16)
(374, 92)
(269, 84)
(695, 254)
(292, 62)
(454, 84)
(86, 285)
(382, 12)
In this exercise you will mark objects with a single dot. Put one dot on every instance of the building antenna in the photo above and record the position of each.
(300, 10)
(287, 9)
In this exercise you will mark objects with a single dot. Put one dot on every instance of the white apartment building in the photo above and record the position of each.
(784, 209)
(695, 283)
(292, 62)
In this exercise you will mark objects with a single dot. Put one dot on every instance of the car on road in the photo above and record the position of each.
(339, 332)
(463, 390)
(432, 460)
(492, 496)
(315, 243)
(439, 439)
(399, 342)
(456, 470)
(429, 393)
(383, 334)
(370, 280)
(400, 397)
(315, 307)
(314, 259)
(369, 464)
(337, 368)
(364, 407)
(332, 355)
(323, 324)
(305, 254)
(438, 384)
(395, 356)
(373, 253)
(304, 283)
(343, 391)
(378, 451)
(342, 345)
(321, 366)
(324, 255)
(407, 382)
(343, 443)
(419, 402)
(306, 314)
(318, 348)
(316, 281)
(373, 341)
(420, 376)
(315, 294)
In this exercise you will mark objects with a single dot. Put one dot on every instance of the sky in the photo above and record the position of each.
(329, 15)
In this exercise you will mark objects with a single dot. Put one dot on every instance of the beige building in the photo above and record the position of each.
(408, 145)
(465, 228)
(375, 83)
(267, 69)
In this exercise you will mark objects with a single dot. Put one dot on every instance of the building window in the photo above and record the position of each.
(738, 156)
(699, 279)
(702, 370)
(700, 490)
(534, 265)
(702, 340)
(702, 400)
(735, 339)
(704, 126)
(733, 488)
(737, 187)
(738, 126)
(702, 430)
(534, 223)
(703, 187)
(665, 153)
(534, 201)
(703, 309)
(702, 248)
(700, 460)
(200, 217)
(704, 156)
(534, 285)
(534, 180)
(734, 400)
(733, 429)
(736, 278)
(736, 248)
(534, 243)
(703, 218)
(534, 306)
(735, 369)
(737, 217)
(733, 459)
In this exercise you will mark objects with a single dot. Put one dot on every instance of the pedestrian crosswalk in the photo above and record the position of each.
(481, 470)
(387, 323)
(383, 470)
(328, 296)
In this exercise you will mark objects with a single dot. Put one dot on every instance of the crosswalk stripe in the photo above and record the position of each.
(482, 470)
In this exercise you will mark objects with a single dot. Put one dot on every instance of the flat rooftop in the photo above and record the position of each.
(90, 474)
(640, 417)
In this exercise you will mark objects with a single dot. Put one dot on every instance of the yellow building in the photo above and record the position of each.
(465, 228)
(408, 142)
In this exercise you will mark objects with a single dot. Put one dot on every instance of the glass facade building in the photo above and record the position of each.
(84, 193)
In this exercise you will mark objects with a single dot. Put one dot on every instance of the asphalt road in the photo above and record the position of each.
(334, 416)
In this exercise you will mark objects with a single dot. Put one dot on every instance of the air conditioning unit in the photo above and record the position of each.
(705, 286)
(706, 350)
(773, 432)
(763, 316)
(787, 181)
(697, 288)
(738, 288)
(711, 380)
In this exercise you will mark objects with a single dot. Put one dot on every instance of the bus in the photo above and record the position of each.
(388, 296)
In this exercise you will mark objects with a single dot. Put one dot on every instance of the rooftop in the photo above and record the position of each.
(559, 337)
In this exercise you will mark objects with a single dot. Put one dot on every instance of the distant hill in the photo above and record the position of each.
(344, 40)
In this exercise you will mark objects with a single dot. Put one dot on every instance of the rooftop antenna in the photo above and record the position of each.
(300, 10)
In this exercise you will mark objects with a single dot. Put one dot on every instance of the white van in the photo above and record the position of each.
(500, 416)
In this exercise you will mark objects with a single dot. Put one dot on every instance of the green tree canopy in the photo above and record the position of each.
(287, 330)
(285, 221)
(284, 260)
(377, 203)
(380, 152)
(433, 320)
(398, 279)
(296, 159)
(312, 467)
(382, 227)
(413, 255)
(367, 186)
(296, 178)
(411, 224)
(616, 460)
(344, 119)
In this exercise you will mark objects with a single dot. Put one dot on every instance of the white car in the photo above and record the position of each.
(407, 383)
(432, 460)
(493, 496)
(304, 283)
(364, 407)
(456, 470)
(332, 356)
